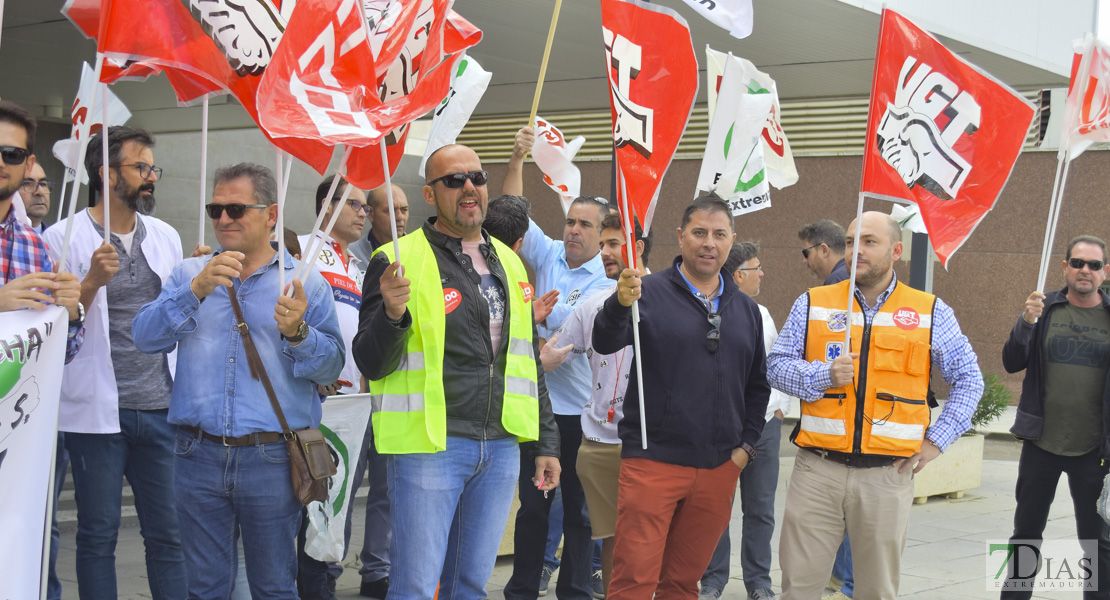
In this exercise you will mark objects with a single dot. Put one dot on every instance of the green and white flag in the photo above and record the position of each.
(781, 171)
(468, 85)
(733, 164)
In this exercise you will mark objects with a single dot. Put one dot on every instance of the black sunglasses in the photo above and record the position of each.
(234, 211)
(805, 251)
(1077, 263)
(713, 339)
(14, 155)
(455, 181)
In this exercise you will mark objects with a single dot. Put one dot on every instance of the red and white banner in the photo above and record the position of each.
(1088, 109)
(88, 106)
(653, 81)
(940, 132)
(555, 158)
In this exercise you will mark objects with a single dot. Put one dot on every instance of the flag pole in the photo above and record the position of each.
(203, 168)
(1053, 215)
(852, 279)
(82, 149)
(628, 231)
(308, 254)
(543, 65)
(62, 194)
(280, 224)
(107, 159)
(389, 201)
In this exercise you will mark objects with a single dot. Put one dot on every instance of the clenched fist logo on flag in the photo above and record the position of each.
(246, 31)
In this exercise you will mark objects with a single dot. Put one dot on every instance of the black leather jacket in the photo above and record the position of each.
(473, 380)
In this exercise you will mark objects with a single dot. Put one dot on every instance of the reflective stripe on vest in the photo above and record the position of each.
(410, 412)
(895, 413)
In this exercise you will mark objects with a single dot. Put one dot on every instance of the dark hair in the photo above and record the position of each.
(292, 243)
(322, 190)
(94, 156)
(613, 220)
(15, 114)
(507, 218)
(1086, 239)
(262, 180)
(708, 202)
(603, 207)
(740, 253)
(824, 232)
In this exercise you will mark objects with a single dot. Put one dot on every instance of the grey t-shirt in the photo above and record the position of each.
(143, 380)
(1076, 358)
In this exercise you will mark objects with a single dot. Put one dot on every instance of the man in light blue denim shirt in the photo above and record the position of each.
(231, 472)
(574, 268)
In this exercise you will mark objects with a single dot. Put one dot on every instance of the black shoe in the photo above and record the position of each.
(331, 583)
(375, 589)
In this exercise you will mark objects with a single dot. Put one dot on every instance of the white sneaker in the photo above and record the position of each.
(246, 31)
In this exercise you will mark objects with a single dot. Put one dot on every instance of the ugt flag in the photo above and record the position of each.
(733, 165)
(781, 171)
(468, 85)
(1087, 118)
(734, 16)
(88, 106)
(940, 132)
(555, 157)
(653, 80)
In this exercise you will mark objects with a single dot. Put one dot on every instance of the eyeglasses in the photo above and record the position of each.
(14, 155)
(1077, 264)
(234, 211)
(805, 251)
(31, 186)
(455, 181)
(145, 170)
(755, 268)
(358, 206)
(713, 338)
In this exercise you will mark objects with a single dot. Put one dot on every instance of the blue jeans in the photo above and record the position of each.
(842, 567)
(449, 512)
(61, 463)
(758, 482)
(225, 492)
(142, 452)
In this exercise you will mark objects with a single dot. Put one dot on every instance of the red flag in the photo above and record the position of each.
(940, 132)
(653, 80)
(417, 81)
(1088, 107)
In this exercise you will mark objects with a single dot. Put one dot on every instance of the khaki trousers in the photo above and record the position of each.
(825, 499)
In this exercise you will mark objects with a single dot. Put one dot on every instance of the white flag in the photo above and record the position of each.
(781, 171)
(1087, 116)
(468, 85)
(88, 105)
(344, 427)
(555, 157)
(734, 16)
(733, 165)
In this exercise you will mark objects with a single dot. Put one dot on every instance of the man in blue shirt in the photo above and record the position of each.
(231, 475)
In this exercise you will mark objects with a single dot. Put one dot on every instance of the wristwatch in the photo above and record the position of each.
(302, 333)
(746, 447)
(80, 315)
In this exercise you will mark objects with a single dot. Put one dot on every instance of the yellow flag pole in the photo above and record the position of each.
(543, 65)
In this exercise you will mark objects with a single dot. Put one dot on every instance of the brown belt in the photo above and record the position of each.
(251, 439)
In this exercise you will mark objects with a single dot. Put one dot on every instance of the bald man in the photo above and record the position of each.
(380, 231)
(865, 429)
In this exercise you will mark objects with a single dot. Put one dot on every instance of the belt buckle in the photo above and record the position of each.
(223, 440)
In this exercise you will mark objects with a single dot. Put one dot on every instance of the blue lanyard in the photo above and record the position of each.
(710, 303)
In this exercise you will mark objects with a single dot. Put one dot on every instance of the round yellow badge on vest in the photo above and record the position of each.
(837, 321)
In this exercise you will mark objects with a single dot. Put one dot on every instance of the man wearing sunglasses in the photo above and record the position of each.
(705, 393)
(823, 251)
(115, 399)
(449, 347)
(1062, 342)
(865, 423)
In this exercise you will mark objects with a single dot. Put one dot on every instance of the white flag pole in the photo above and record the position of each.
(629, 228)
(107, 159)
(852, 279)
(315, 245)
(49, 520)
(62, 194)
(389, 203)
(281, 224)
(84, 135)
(203, 169)
(1053, 214)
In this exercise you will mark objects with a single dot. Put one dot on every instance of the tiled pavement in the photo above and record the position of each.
(944, 557)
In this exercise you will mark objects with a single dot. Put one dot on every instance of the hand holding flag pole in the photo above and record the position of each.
(389, 201)
(633, 263)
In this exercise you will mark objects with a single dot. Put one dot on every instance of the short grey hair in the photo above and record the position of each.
(262, 180)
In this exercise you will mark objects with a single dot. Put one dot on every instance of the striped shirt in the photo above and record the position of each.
(788, 371)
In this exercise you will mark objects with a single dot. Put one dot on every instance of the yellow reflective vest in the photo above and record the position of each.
(409, 408)
(885, 409)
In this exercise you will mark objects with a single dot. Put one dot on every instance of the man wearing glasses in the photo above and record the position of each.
(1062, 342)
(35, 193)
(449, 347)
(823, 251)
(705, 393)
(865, 423)
(115, 398)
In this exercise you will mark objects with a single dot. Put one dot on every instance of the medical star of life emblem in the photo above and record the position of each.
(833, 350)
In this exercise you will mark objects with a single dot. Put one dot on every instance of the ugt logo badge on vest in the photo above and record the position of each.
(907, 318)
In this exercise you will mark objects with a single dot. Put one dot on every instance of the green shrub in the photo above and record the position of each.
(994, 401)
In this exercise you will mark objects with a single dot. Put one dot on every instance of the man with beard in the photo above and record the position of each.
(35, 193)
(449, 347)
(380, 232)
(115, 398)
(865, 431)
(1062, 342)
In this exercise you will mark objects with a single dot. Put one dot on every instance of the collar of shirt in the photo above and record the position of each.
(711, 303)
(869, 311)
(348, 259)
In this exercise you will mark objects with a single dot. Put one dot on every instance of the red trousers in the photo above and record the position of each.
(669, 520)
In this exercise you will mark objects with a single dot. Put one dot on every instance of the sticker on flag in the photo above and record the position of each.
(555, 157)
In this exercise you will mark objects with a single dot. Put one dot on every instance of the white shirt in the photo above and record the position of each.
(345, 278)
(778, 400)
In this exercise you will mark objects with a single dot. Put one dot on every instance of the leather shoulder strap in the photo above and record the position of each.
(258, 370)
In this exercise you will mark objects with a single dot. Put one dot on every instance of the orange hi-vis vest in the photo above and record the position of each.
(884, 411)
